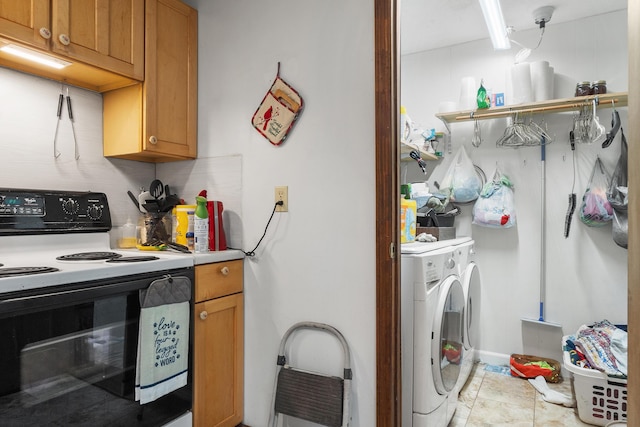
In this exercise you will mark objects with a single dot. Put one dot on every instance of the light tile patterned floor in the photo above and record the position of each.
(495, 399)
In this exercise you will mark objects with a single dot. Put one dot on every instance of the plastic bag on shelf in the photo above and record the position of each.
(596, 211)
(495, 208)
(461, 182)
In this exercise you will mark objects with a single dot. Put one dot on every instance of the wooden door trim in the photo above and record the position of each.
(633, 134)
(388, 367)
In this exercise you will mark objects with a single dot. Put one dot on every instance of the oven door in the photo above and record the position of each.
(68, 356)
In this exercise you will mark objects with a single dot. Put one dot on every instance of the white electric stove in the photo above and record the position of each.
(37, 227)
(71, 306)
(34, 253)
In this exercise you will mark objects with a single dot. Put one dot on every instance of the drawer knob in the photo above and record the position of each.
(64, 39)
(45, 33)
(224, 271)
(153, 140)
(203, 315)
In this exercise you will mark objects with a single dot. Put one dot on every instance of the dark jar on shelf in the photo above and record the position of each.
(583, 89)
(599, 87)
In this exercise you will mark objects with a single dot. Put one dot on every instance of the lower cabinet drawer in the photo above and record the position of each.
(218, 279)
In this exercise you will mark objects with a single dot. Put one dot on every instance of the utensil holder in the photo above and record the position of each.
(154, 227)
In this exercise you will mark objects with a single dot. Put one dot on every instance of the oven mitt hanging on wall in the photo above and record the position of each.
(278, 111)
(596, 211)
(617, 194)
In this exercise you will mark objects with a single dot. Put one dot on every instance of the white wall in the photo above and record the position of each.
(27, 127)
(317, 262)
(586, 276)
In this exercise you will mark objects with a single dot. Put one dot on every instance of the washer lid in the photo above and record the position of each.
(446, 345)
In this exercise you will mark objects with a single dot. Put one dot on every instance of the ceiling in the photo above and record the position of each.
(431, 24)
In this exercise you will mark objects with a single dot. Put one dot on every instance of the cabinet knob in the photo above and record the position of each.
(153, 140)
(45, 33)
(203, 315)
(224, 271)
(64, 39)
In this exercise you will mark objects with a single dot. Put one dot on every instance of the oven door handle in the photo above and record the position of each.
(36, 300)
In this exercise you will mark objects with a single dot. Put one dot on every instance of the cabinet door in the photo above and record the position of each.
(218, 362)
(108, 34)
(171, 78)
(22, 20)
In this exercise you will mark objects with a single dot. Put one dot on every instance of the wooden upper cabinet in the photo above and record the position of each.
(23, 21)
(171, 78)
(103, 39)
(108, 34)
(156, 121)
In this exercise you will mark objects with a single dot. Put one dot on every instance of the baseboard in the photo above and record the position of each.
(491, 358)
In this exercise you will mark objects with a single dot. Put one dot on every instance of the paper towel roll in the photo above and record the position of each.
(447, 106)
(468, 92)
(508, 92)
(521, 84)
(541, 80)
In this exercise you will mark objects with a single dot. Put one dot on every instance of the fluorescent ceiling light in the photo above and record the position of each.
(34, 56)
(495, 24)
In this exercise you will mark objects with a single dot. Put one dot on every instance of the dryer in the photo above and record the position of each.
(432, 310)
(469, 273)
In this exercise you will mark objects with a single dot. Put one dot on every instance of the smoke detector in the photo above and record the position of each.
(542, 15)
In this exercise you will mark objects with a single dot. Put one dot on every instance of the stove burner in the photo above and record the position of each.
(88, 256)
(133, 258)
(24, 271)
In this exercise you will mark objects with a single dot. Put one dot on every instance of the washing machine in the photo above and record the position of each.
(432, 311)
(469, 274)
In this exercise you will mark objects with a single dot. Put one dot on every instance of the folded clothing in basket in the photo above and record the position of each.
(602, 346)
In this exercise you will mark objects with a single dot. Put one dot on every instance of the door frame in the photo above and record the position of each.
(387, 111)
(387, 91)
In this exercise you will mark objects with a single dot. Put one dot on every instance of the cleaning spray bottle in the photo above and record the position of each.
(201, 225)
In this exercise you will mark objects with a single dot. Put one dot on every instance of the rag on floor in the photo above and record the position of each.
(163, 338)
(551, 396)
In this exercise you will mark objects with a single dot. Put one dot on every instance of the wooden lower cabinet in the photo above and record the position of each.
(218, 378)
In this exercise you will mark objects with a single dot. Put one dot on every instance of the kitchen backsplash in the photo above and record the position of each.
(27, 131)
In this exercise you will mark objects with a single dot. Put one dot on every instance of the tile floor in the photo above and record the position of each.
(495, 399)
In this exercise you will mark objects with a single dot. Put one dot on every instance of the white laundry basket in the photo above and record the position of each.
(601, 399)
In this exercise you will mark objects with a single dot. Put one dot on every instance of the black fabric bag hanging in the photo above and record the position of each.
(617, 196)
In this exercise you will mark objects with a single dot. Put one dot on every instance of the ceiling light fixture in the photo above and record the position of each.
(541, 16)
(34, 56)
(495, 24)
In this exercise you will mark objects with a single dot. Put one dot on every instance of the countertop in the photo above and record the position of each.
(196, 259)
(217, 256)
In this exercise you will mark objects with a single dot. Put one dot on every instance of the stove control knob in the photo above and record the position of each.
(94, 212)
(70, 206)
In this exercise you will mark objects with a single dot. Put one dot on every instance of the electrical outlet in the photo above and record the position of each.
(282, 194)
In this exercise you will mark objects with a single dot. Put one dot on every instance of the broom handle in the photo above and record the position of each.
(542, 230)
